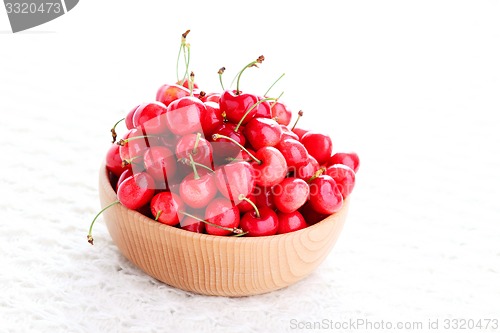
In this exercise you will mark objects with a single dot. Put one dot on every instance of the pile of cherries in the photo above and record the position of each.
(225, 163)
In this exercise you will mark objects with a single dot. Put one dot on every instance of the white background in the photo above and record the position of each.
(411, 86)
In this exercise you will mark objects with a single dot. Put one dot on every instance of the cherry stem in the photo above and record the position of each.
(242, 197)
(220, 136)
(123, 142)
(113, 130)
(196, 176)
(187, 161)
(129, 161)
(196, 143)
(220, 72)
(191, 83)
(317, 174)
(158, 215)
(181, 48)
(251, 108)
(90, 239)
(265, 94)
(233, 230)
(300, 114)
(187, 59)
(254, 63)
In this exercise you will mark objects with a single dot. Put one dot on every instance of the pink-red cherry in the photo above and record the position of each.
(318, 145)
(289, 222)
(281, 113)
(222, 213)
(272, 168)
(160, 163)
(234, 180)
(129, 122)
(150, 118)
(351, 159)
(168, 93)
(197, 192)
(184, 115)
(235, 105)
(114, 161)
(307, 170)
(294, 152)
(263, 132)
(261, 223)
(291, 194)
(137, 191)
(263, 109)
(344, 177)
(132, 148)
(300, 132)
(325, 197)
(288, 133)
(196, 146)
(166, 208)
(192, 224)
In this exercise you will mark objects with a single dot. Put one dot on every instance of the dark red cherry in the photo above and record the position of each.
(281, 113)
(264, 197)
(263, 222)
(137, 191)
(184, 115)
(192, 224)
(318, 145)
(198, 191)
(127, 173)
(289, 222)
(294, 152)
(223, 213)
(351, 159)
(310, 215)
(166, 207)
(235, 106)
(212, 119)
(344, 177)
(291, 194)
(234, 180)
(263, 132)
(245, 206)
(168, 93)
(325, 197)
(224, 148)
(150, 118)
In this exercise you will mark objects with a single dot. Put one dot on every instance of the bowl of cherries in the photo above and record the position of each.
(218, 194)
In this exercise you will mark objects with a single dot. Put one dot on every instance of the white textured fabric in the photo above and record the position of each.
(412, 87)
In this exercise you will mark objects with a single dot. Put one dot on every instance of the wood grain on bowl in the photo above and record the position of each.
(217, 265)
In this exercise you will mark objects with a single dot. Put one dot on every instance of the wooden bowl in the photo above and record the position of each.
(217, 265)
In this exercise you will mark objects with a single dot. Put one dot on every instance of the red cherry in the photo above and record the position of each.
(307, 170)
(211, 97)
(150, 118)
(294, 153)
(272, 168)
(197, 191)
(325, 197)
(185, 84)
(310, 215)
(290, 194)
(168, 93)
(235, 105)
(192, 224)
(222, 213)
(114, 161)
(264, 197)
(212, 119)
(225, 148)
(288, 222)
(244, 205)
(165, 207)
(183, 115)
(127, 173)
(318, 145)
(344, 177)
(281, 112)
(300, 132)
(263, 109)
(196, 146)
(234, 180)
(288, 134)
(129, 118)
(351, 159)
(137, 191)
(160, 163)
(263, 222)
(132, 148)
(262, 132)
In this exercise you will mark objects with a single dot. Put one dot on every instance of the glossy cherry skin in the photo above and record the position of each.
(281, 112)
(289, 222)
(191, 224)
(185, 147)
(272, 169)
(198, 192)
(263, 132)
(161, 164)
(310, 215)
(264, 197)
(168, 93)
(129, 122)
(170, 205)
(236, 105)
(244, 206)
(307, 170)
(137, 191)
(294, 152)
(150, 118)
(325, 197)
(291, 194)
(185, 84)
(351, 159)
(344, 177)
(288, 134)
(211, 97)
(184, 115)
(224, 148)
(318, 145)
(300, 132)
(114, 161)
(266, 224)
(221, 212)
(235, 179)
(127, 173)
(133, 148)
(212, 119)
(263, 109)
